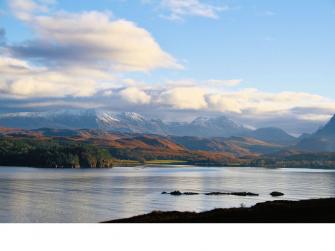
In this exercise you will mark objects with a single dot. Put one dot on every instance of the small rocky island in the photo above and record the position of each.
(178, 193)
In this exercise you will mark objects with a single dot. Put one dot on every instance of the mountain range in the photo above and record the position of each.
(132, 137)
(203, 133)
(130, 122)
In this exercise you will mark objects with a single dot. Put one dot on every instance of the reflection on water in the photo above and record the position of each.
(56, 195)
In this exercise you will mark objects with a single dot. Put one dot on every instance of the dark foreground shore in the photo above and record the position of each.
(304, 211)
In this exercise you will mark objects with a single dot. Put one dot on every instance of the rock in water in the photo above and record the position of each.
(190, 193)
(244, 194)
(276, 194)
(234, 193)
(216, 193)
(176, 193)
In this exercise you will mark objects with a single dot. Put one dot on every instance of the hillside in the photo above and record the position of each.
(238, 146)
(273, 135)
(321, 141)
(143, 148)
(324, 160)
(120, 146)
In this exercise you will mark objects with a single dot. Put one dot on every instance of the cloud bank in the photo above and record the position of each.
(81, 60)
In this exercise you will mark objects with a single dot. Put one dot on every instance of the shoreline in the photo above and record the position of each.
(278, 211)
(165, 165)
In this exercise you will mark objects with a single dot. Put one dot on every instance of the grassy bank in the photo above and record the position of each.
(166, 162)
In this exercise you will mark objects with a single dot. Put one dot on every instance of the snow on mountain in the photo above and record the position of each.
(132, 116)
(221, 121)
(83, 119)
(208, 127)
(131, 122)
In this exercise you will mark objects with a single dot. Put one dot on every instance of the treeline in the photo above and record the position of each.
(305, 160)
(71, 153)
(199, 158)
(142, 156)
(52, 153)
(68, 153)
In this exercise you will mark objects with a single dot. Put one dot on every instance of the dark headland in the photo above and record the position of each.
(280, 211)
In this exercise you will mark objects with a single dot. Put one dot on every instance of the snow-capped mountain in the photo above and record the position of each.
(208, 127)
(131, 122)
(65, 119)
(83, 119)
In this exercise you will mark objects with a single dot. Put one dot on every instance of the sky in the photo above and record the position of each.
(261, 63)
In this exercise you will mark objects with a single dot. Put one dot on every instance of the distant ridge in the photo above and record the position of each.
(208, 127)
(328, 130)
(139, 145)
(321, 141)
(274, 135)
(131, 122)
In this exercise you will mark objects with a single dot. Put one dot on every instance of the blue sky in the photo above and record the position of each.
(273, 47)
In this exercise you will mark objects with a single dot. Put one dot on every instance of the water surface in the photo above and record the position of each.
(89, 195)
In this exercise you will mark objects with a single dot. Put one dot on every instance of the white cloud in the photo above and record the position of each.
(177, 9)
(223, 103)
(135, 96)
(62, 103)
(19, 79)
(248, 103)
(24, 9)
(9, 65)
(184, 98)
(258, 103)
(315, 117)
(93, 39)
(49, 85)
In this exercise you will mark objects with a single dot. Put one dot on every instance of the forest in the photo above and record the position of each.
(52, 153)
